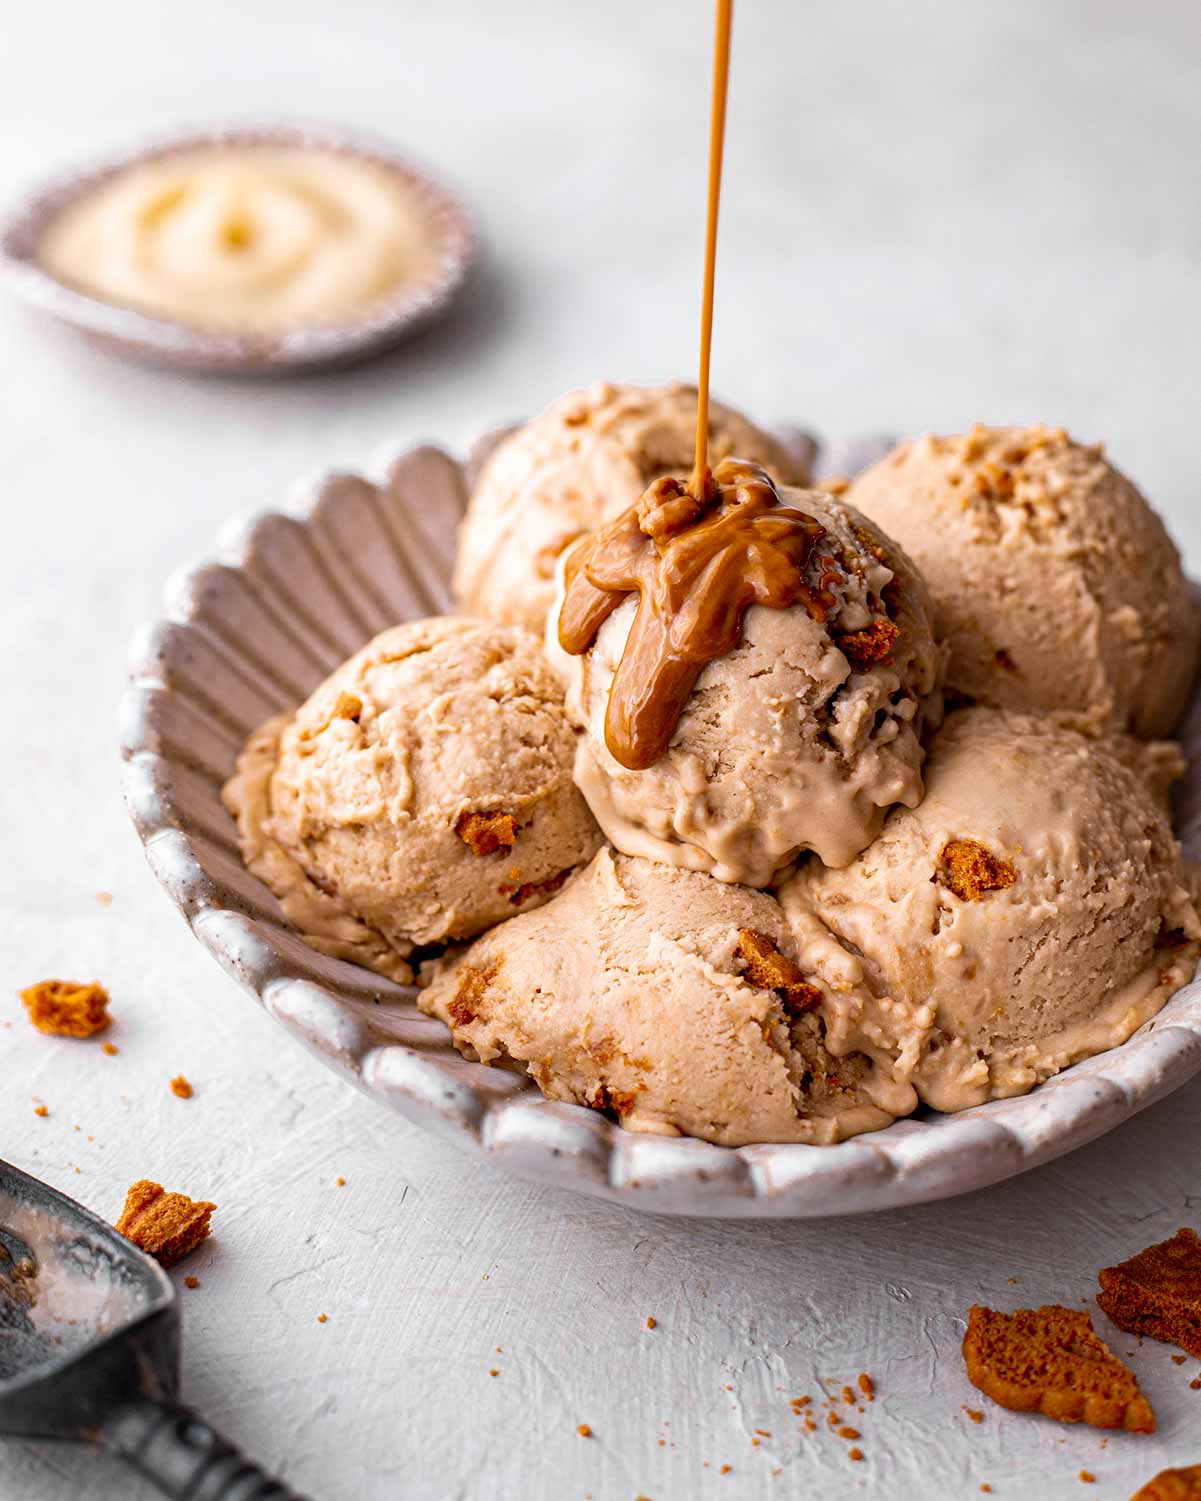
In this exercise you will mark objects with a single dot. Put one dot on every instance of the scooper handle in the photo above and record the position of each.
(186, 1458)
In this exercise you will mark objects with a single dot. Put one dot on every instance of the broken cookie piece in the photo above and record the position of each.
(1158, 1292)
(1050, 1360)
(67, 1008)
(971, 871)
(1172, 1485)
(873, 644)
(485, 833)
(769, 969)
(167, 1226)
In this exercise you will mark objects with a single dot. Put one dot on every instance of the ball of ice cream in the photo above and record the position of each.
(666, 997)
(585, 459)
(806, 727)
(421, 794)
(1054, 582)
(1032, 911)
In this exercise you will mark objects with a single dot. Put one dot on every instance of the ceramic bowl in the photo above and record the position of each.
(286, 598)
(170, 342)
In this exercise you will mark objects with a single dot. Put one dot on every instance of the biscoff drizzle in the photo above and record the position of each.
(696, 566)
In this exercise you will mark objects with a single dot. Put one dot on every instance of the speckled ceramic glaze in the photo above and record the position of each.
(174, 343)
(290, 595)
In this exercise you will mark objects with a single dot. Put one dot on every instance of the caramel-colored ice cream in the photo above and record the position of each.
(421, 794)
(666, 997)
(1033, 910)
(1055, 583)
(801, 733)
(583, 461)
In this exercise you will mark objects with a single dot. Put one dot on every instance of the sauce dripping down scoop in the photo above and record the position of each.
(696, 566)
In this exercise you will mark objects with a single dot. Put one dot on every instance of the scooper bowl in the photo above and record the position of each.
(89, 1349)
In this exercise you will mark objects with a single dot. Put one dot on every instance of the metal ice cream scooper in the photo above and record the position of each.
(89, 1349)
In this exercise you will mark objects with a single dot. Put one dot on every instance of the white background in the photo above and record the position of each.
(935, 213)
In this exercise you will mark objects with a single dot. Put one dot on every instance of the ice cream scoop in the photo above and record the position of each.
(422, 793)
(89, 1349)
(751, 671)
(665, 997)
(1033, 910)
(1055, 584)
(583, 461)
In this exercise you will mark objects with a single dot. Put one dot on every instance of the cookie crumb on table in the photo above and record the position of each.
(1086, 1476)
(110, 1049)
(1182, 1484)
(1050, 1360)
(167, 1226)
(651, 1323)
(1158, 1292)
(67, 1008)
(41, 1110)
(191, 1281)
(323, 1318)
(180, 1088)
(583, 1430)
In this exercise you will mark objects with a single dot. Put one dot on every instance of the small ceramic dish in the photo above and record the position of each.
(289, 596)
(185, 346)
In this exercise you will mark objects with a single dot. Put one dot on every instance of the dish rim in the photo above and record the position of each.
(176, 343)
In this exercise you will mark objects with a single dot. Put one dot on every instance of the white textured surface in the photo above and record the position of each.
(970, 214)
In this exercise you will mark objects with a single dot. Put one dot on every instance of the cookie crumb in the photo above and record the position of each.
(985, 1487)
(1050, 1360)
(180, 1088)
(166, 1226)
(846, 1431)
(339, 1182)
(191, 1281)
(724, 1469)
(584, 1430)
(1158, 1292)
(67, 1008)
(41, 1110)
(105, 898)
(494, 1372)
(854, 1453)
(486, 833)
(1086, 1476)
(110, 1049)
(865, 648)
(1195, 1384)
(1182, 1484)
(322, 1318)
(975, 1414)
(866, 1385)
(848, 1396)
(971, 871)
(767, 968)
(651, 1322)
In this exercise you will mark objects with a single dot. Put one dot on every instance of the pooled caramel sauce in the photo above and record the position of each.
(696, 566)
